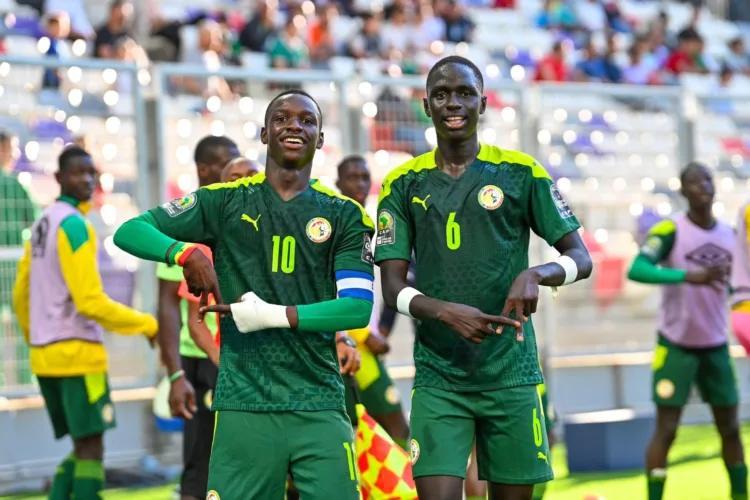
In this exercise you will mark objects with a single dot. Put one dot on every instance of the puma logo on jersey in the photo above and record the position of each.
(542, 456)
(421, 202)
(254, 222)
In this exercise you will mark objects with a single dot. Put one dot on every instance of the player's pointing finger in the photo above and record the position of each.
(502, 320)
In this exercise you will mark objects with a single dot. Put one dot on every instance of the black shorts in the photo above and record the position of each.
(198, 434)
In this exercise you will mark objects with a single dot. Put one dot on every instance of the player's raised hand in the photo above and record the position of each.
(522, 299)
(201, 279)
(708, 275)
(471, 323)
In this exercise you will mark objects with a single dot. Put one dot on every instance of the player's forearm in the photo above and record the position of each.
(202, 337)
(142, 238)
(555, 273)
(170, 323)
(336, 315)
(645, 271)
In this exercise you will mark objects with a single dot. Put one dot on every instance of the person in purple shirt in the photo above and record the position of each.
(690, 256)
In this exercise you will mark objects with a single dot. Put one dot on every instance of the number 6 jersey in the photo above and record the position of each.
(471, 239)
(288, 253)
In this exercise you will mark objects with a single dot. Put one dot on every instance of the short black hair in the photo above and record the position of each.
(462, 61)
(691, 167)
(293, 92)
(6, 135)
(347, 160)
(205, 150)
(70, 154)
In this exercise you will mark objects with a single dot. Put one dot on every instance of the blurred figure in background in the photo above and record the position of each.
(66, 336)
(239, 168)
(553, 67)
(320, 36)
(260, 28)
(17, 211)
(368, 43)
(288, 49)
(690, 256)
(191, 372)
(116, 27)
(57, 27)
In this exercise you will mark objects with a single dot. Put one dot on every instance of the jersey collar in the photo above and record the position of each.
(84, 206)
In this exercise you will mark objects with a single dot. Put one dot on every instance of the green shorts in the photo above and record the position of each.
(79, 406)
(677, 368)
(547, 410)
(380, 397)
(253, 452)
(511, 438)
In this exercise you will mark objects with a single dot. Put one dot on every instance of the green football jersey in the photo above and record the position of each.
(287, 253)
(471, 239)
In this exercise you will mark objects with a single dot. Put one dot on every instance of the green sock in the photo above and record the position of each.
(738, 480)
(539, 490)
(475, 498)
(88, 479)
(656, 480)
(62, 486)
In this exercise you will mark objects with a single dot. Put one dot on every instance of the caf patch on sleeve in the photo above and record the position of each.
(386, 228)
(651, 247)
(367, 251)
(180, 205)
(560, 203)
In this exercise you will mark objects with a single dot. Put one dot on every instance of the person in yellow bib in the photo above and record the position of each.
(379, 395)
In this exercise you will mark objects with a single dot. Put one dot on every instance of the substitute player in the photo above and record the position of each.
(690, 256)
(62, 311)
(740, 299)
(191, 371)
(298, 256)
(467, 210)
(378, 393)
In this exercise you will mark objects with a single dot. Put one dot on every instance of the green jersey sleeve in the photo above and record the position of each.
(196, 218)
(393, 237)
(353, 250)
(659, 241)
(550, 216)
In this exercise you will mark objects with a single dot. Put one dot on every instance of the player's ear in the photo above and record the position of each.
(264, 136)
(483, 105)
(319, 145)
(426, 107)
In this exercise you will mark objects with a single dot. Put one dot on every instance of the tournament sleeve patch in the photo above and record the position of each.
(560, 203)
(180, 205)
(652, 247)
(386, 228)
(367, 257)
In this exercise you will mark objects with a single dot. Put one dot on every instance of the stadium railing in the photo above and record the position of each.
(615, 151)
(102, 104)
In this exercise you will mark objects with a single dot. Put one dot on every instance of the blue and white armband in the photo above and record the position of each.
(355, 284)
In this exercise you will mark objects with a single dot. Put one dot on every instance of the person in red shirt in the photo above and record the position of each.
(199, 330)
(686, 58)
(552, 68)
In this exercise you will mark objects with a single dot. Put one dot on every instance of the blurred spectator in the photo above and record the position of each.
(368, 43)
(737, 59)
(643, 68)
(592, 15)
(718, 101)
(80, 26)
(398, 33)
(288, 49)
(426, 26)
(687, 58)
(16, 208)
(557, 14)
(396, 5)
(120, 14)
(552, 68)
(320, 36)
(57, 27)
(596, 67)
(615, 19)
(261, 26)
(458, 26)
(206, 54)
(126, 50)
(3, 46)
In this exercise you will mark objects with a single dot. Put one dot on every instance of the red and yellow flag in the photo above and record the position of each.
(384, 468)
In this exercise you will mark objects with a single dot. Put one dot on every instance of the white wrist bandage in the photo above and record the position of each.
(404, 299)
(253, 314)
(571, 270)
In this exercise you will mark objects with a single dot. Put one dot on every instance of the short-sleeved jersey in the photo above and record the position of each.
(471, 239)
(693, 316)
(287, 252)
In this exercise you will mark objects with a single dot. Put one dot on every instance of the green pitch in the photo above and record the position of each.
(696, 472)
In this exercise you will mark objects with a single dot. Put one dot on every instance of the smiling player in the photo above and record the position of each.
(467, 210)
(298, 255)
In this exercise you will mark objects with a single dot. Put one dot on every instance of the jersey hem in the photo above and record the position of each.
(480, 388)
(265, 408)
